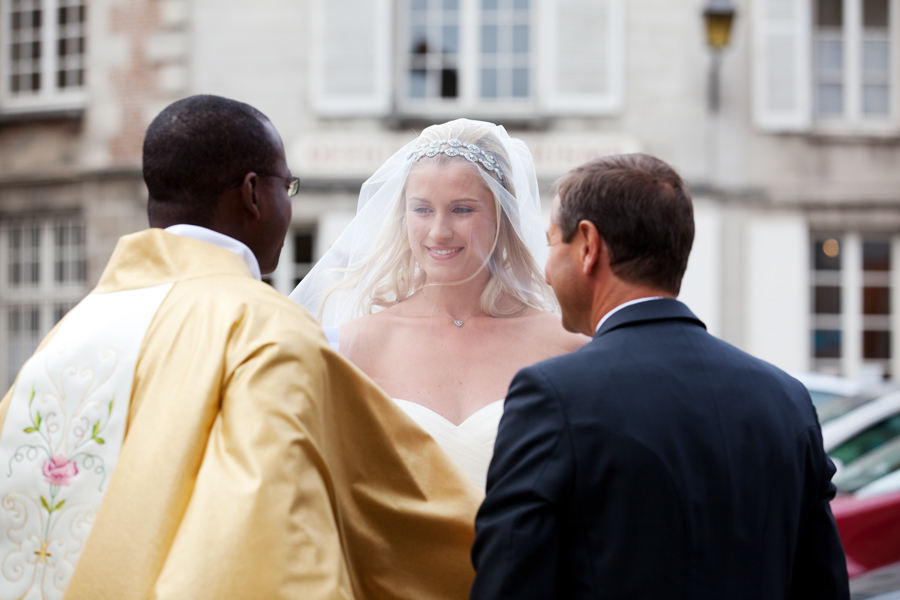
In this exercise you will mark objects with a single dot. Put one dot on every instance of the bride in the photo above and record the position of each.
(435, 289)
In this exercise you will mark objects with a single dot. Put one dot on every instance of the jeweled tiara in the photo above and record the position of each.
(454, 147)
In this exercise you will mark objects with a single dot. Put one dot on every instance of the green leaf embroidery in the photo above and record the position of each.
(45, 504)
(58, 506)
(100, 440)
(110, 406)
(29, 430)
(37, 421)
(96, 428)
(31, 398)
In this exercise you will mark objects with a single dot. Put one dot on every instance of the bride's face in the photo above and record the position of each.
(451, 219)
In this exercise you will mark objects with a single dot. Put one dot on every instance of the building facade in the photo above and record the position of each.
(796, 176)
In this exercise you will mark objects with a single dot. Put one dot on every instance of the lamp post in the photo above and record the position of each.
(718, 16)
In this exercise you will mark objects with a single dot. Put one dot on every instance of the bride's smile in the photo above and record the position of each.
(442, 254)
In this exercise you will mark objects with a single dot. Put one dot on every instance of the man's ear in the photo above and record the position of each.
(250, 195)
(592, 247)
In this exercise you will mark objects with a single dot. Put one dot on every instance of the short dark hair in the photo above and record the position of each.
(196, 147)
(641, 208)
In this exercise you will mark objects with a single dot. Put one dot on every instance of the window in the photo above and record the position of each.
(43, 53)
(443, 58)
(495, 63)
(42, 276)
(867, 440)
(827, 65)
(852, 59)
(304, 244)
(297, 259)
(826, 309)
(853, 310)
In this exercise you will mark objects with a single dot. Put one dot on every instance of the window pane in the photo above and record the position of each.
(876, 344)
(489, 39)
(875, 100)
(827, 343)
(68, 251)
(876, 301)
(827, 300)
(875, 14)
(419, 40)
(417, 84)
(303, 247)
(419, 5)
(520, 83)
(520, 38)
(520, 4)
(830, 13)
(875, 57)
(830, 55)
(450, 39)
(14, 317)
(868, 440)
(489, 83)
(24, 253)
(451, 5)
(829, 75)
(826, 255)
(830, 99)
(876, 256)
(34, 256)
(449, 87)
(23, 323)
(489, 4)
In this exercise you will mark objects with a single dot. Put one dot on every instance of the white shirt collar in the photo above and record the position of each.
(202, 234)
(620, 307)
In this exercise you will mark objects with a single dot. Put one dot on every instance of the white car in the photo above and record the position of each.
(863, 429)
(876, 473)
(838, 406)
(823, 388)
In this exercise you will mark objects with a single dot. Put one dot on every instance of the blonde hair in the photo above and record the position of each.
(390, 273)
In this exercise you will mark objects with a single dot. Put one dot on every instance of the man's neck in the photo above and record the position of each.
(617, 295)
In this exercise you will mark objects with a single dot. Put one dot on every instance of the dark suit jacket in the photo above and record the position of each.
(658, 462)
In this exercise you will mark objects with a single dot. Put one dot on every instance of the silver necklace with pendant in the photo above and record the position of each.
(456, 322)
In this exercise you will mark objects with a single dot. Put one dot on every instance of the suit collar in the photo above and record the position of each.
(654, 310)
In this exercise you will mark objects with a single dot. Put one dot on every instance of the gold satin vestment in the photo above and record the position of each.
(258, 463)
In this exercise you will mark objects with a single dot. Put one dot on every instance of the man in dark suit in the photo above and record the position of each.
(657, 461)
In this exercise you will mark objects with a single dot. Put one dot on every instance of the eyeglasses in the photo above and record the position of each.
(293, 183)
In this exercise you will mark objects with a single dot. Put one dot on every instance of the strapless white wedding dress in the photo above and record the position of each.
(470, 444)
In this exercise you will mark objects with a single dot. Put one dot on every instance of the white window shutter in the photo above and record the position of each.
(782, 64)
(584, 62)
(351, 69)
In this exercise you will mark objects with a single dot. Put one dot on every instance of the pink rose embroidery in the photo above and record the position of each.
(59, 470)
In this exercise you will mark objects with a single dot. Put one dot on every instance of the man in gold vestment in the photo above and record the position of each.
(255, 462)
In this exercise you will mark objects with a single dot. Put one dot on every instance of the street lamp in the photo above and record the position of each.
(718, 16)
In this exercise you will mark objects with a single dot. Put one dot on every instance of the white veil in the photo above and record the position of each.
(339, 288)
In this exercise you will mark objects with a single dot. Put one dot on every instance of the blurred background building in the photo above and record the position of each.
(794, 164)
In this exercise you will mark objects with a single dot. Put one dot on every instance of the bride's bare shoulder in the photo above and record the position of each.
(548, 328)
(375, 323)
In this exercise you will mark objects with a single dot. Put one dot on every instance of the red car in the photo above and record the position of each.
(870, 530)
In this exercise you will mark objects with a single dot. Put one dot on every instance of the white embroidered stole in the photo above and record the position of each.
(62, 437)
